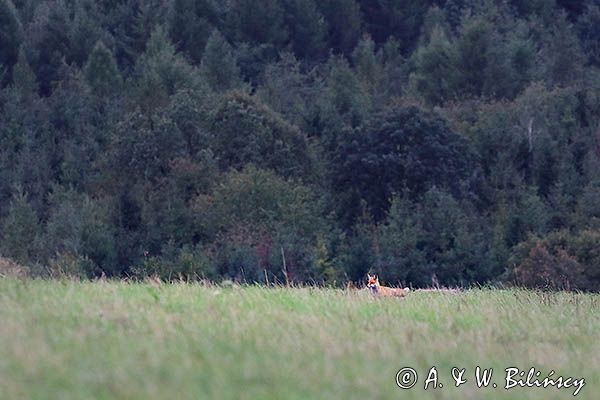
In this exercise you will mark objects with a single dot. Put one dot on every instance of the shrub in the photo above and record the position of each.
(260, 199)
(544, 269)
(255, 214)
(241, 255)
(79, 225)
(188, 263)
(559, 260)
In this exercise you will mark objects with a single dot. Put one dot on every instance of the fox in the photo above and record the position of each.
(384, 291)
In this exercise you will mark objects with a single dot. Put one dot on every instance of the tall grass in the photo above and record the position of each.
(106, 340)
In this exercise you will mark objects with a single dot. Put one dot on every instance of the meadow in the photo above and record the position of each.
(118, 340)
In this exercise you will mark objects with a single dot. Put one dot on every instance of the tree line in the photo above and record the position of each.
(434, 141)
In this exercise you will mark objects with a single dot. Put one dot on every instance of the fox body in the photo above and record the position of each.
(378, 290)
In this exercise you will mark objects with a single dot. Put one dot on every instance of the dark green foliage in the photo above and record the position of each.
(562, 53)
(434, 240)
(101, 71)
(191, 114)
(78, 228)
(486, 59)
(48, 43)
(132, 24)
(291, 92)
(453, 142)
(403, 148)
(344, 23)
(219, 64)
(20, 228)
(307, 28)
(357, 254)
(11, 34)
(245, 131)
(255, 215)
(59, 36)
(190, 25)
(436, 76)
(176, 264)
(347, 94)
(26, 148)
(401, 19)
(23, 77)
(366, 62)
(588, 27)
(160, 73)
(144, 145)
(255, 22)
(588, 208)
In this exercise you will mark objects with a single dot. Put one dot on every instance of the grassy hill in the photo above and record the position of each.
(106, 340)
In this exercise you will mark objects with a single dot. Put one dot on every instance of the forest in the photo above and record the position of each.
(434, 142)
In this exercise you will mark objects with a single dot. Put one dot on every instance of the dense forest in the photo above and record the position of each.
(450, 142)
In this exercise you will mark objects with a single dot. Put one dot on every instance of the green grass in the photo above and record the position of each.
(94, 340)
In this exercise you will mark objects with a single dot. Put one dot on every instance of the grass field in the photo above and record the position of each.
(106, 340)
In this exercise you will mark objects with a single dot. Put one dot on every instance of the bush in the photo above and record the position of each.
(79, 227)
(188, 263)
(251, 216)
(559, 260)
(261, 200)
(241, 254)
(544, 269)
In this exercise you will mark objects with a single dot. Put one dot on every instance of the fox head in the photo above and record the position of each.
(373, 282)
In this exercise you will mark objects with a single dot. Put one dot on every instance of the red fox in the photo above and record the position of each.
(384, 291)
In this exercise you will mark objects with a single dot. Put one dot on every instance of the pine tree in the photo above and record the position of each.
(400, 19)
(563, 59)
(453, 11)
(219, 65)
(308, 28)
(190, 26)
(287, 90)
(101, 71)
(434, 19)
(435, 73)
(23, 77)
(473, 46)
(84, 31)
(367, 62)
(48, 43)
(160, 72)
(588, 28)
(140, 22)
(11, 34)
(343, 20)
(19, 229)
(257, 22)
